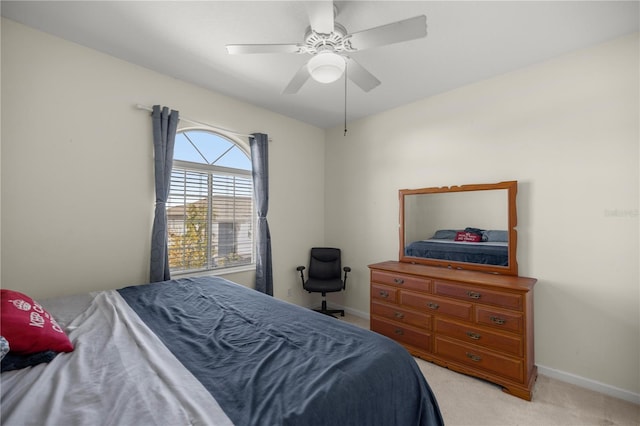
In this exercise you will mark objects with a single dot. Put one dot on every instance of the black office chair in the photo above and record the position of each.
(324, 276)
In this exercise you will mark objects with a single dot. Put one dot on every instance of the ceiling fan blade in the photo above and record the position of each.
(360, 76)
(242, 49)
(297, 81)
(321, 16)
(395, 32)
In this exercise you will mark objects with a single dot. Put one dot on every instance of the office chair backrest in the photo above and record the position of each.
(324, 263)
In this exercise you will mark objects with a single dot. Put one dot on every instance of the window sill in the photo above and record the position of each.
(215, 272)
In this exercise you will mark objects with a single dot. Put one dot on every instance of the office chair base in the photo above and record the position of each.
(330, 312)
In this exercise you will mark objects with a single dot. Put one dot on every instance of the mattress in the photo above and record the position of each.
(489, 253)
(207, 351)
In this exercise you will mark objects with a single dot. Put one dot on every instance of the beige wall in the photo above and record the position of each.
(567, 130)
(77, 168)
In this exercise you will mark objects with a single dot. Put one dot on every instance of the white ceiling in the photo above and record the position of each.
(466, 42)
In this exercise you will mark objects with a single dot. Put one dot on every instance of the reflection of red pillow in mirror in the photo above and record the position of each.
(469, 237)
(28, 327)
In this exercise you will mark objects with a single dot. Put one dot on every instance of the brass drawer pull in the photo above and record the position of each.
(432, 305)
(398, 280)
(497, 320)
(473, 294)
(473, 357)
(398, 315)
(472, 335)
(399, 331)
(383, 294)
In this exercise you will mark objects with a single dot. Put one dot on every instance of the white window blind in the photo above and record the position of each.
(210, 218)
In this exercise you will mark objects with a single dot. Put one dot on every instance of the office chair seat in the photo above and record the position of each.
(323, 286)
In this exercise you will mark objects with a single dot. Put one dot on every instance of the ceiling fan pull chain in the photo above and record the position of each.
(346, 68)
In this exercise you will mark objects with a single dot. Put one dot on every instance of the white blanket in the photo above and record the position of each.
(120, 374)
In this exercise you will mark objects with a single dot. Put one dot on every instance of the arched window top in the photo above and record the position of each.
(206, 147)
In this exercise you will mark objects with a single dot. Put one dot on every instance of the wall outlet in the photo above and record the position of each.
(289, 292)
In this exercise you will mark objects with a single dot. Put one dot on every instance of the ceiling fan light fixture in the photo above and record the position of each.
(326, 67)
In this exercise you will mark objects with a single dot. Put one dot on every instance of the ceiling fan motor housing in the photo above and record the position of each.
(336, 41)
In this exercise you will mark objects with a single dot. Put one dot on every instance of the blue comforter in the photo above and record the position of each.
(484, 253)
(268, 362)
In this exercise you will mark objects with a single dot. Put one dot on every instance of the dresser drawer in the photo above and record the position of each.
(479, 295)
(403, 334)
(433, 304)
(506, 343)
(384, 292)
(400, 280)
(401, 315)
(476, 357)
(503, 320)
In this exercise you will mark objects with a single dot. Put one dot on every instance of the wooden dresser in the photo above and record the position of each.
(472, 322)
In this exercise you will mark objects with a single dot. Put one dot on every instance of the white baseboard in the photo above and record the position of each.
(356, 313)
(555, 374)
(589, 384)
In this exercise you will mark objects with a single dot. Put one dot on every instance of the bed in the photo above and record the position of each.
(469, 245)
(496, 253)
(206, 351)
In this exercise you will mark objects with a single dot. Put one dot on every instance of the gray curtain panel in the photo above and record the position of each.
(260, 165)
(165, 124)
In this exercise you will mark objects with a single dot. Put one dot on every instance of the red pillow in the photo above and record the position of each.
(28, 327)
(468, 236)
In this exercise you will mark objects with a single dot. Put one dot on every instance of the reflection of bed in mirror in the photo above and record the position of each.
(470, 245)
(463, 227)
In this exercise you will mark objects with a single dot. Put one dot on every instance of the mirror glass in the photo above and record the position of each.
(464, 227)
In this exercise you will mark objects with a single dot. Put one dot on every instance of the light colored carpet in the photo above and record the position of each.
(465, 400)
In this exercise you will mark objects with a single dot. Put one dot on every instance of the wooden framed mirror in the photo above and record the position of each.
(461, 227)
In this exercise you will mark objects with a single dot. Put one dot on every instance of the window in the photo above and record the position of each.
(210, 215)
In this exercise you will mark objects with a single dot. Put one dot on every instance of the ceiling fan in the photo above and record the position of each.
(329, 43)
